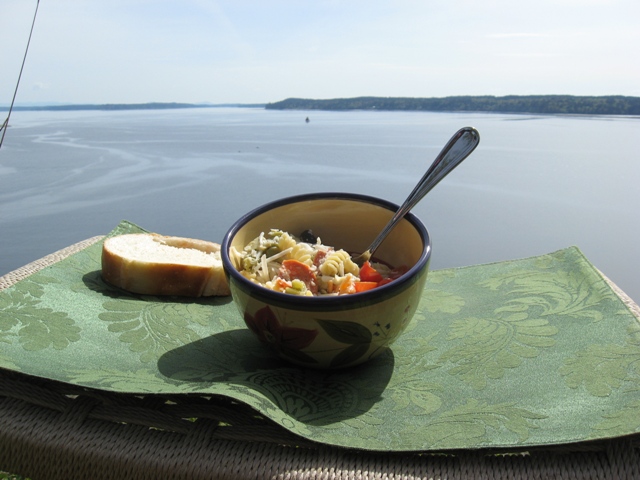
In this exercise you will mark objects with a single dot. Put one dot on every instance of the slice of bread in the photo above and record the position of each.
(152, 264)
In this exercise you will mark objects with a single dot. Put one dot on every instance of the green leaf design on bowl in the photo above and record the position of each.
(351, 333)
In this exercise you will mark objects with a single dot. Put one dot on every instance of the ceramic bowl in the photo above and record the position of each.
(331, 331)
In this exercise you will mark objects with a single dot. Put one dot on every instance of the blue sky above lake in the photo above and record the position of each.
(227, 51)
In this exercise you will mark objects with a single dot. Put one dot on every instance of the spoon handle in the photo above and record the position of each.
(459, 147)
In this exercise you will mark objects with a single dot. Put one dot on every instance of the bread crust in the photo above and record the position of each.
(139, 275)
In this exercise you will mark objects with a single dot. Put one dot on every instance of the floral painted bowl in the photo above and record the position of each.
(332, 331)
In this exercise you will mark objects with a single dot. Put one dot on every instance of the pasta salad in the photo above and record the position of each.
(302, 265)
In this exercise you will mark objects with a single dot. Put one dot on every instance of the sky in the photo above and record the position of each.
(260, 51)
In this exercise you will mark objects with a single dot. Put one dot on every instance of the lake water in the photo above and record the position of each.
(535, 184)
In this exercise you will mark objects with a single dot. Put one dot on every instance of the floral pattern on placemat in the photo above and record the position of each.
(527, 352)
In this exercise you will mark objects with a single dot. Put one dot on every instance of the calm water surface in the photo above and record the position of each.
(534, 185)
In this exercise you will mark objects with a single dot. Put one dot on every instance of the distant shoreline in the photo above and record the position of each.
(524, 104)
(518, 104)
(130, 106)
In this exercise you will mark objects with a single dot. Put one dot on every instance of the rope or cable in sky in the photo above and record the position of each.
(5, 125)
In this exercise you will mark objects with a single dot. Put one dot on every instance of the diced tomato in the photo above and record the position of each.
(295, 269)
(364, 286)
(369, 274)
(384, 281)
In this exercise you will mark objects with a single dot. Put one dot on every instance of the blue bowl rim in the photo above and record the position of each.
(329, 303)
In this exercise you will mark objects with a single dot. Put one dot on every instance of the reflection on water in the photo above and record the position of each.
(535, 184)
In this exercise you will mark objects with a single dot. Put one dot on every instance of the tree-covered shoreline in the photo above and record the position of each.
(524, 104)
(531, 104)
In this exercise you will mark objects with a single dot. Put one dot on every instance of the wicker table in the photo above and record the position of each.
(51, 430)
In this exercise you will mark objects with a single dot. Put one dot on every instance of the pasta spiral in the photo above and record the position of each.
(339, 263)
(303, 252)
(286, 241)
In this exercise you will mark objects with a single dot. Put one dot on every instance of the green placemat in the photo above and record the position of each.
(529, 352)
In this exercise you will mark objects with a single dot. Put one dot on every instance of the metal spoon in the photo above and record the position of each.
(459, 147)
